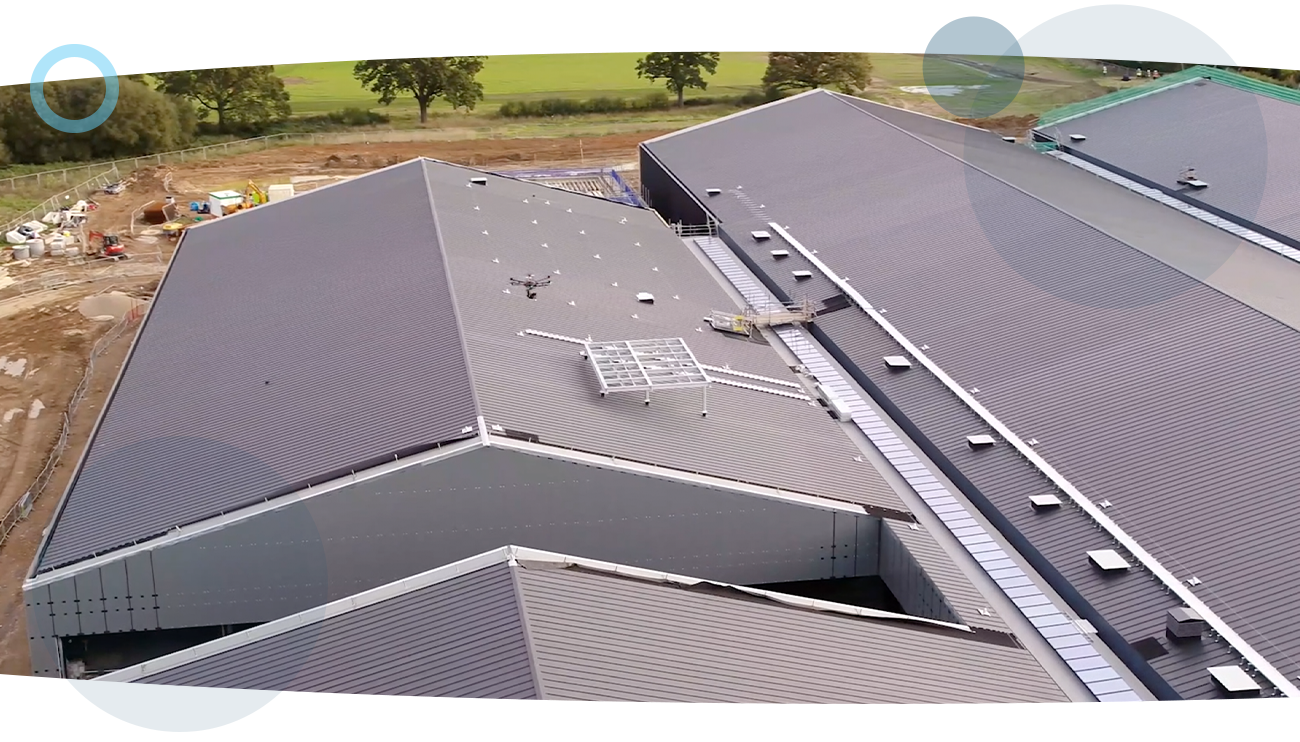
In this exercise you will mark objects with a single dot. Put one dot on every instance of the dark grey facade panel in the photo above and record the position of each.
(543, 387)
(383, 530)
(463, 638)
(1128, 372)
(597, 637)
(1134, 604)
(287, 345)
(1238, 142)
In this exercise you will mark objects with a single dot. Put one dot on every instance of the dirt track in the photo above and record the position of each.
(47, 341)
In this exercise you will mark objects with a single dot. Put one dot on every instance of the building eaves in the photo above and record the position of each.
(282, 349)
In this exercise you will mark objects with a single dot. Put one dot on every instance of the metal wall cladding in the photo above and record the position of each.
(359, 537)
(286, 343)
(462, 638)
(600, 259)
(1239, 142)
(597, 637)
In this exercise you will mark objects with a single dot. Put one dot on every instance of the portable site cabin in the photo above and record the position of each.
(222, 201)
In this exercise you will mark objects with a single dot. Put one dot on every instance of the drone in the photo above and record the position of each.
(531, 284)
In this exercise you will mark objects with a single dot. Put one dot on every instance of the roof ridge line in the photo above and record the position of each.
(521, 605)
(451, 288)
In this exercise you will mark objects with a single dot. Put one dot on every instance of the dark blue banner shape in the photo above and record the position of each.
(1226, 34)
(89, 707)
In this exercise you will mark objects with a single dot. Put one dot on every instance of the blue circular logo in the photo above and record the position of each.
(74, 51)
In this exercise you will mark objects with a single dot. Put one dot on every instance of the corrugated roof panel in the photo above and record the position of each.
(288, 343)
(1128, 373)
(599, 637)
(543, 386)
(462, 638)
(1239, 142)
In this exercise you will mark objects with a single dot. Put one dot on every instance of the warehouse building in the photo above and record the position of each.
(1107, 411)
(333, 395)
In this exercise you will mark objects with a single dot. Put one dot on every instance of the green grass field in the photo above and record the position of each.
(330, 86)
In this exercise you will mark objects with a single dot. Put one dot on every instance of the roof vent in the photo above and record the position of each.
(1045, 501)
(1108, 560)
(836, 405)
(897, 362)
(760, 235)
(713, 191)
(645, 298)
(801, 275)
(980, 441)
(1184, 623)
(1233, 679)
(1078, 138)
(778, 254)
(478, 181)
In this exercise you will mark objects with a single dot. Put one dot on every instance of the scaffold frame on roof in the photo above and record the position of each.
(646, 365)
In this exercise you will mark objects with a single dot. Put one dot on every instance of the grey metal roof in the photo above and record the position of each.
(1240, 142)
(1260, 278)
(543, 387)
(1150, 389)
(286, 344)
(586, 632)
(296, 342)
(463, 638)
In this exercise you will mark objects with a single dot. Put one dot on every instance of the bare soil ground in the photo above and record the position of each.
(46, 342)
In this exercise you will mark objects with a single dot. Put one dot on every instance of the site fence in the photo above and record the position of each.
(85, 189)
(125, 166)
(23, 507)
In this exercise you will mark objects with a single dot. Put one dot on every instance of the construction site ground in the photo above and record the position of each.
(45, 341)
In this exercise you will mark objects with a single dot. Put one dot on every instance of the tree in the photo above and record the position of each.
(243, 97)
(844, 71)
(144, 121)
(679, 71)
(449, 78)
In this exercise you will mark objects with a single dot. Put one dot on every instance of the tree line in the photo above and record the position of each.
(166, 111)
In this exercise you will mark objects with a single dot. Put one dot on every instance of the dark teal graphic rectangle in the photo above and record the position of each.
(1231, 34)
(90, 707)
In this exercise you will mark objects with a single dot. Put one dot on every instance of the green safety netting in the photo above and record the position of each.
(1224, 77)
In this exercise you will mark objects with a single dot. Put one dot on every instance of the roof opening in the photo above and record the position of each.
(802, 275)
(1043, 502)
(645, 298)
(980, 441)
(478, 181)
(1108, 560)
(713, 191)
(1009, 139)
(1233, 679)
(1149, 648)
(1184, 623)
(760, 235)
(778, 254)
(1078, 138)
(897, 362)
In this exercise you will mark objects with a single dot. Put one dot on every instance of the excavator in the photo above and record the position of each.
(105, 247)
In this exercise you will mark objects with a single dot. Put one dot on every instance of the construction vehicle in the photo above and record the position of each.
(254, 195)
(105, 247)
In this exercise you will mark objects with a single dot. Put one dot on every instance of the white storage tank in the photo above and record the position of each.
(36, 248)
(279, 192)
(21, 252)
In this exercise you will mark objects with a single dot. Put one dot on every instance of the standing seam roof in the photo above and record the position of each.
(274, 356)
(1138, 380)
